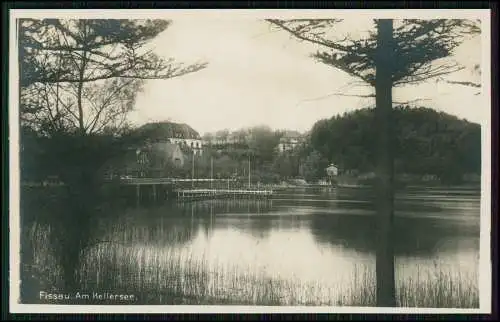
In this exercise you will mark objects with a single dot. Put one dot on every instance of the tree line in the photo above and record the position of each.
(79, 79)
(426, 142)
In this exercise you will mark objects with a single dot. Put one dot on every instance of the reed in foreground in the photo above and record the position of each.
(168, 275)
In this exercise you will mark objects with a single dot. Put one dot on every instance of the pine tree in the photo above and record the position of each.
(390, 56)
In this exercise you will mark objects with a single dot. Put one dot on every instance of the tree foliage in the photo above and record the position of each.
(412, 52)
(420, 47)
(83, 75)
(313, 167)
(263, 143)
(427, 142)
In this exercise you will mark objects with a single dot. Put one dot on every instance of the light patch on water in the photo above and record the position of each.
(323, 200)
(287, 252)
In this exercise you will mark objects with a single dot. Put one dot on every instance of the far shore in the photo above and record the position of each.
(343, 181)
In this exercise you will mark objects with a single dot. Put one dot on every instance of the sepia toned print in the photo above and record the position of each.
(184, 161)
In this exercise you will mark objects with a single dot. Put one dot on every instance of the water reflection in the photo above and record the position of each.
(312, 239)
(423, 226)
(413, 236)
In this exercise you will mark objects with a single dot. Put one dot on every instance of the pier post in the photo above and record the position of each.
(138, 194)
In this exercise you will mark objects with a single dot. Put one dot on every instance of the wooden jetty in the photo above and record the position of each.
(156, 189)
(164, 189)
(198, 194)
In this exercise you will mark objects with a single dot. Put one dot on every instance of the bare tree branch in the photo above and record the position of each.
(82, 53)
(411, 101)
(304, 31)
(419, 44)
(106, 104)
(464, 83)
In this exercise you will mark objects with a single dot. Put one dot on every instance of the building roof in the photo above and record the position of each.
(289, 140)
(291, 134)
(160, 131)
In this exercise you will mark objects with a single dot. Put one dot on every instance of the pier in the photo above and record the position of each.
(163, 189)
(185, 189)
(197, 194)
(158, 189)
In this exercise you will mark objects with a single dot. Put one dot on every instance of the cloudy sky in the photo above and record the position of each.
(258, 76)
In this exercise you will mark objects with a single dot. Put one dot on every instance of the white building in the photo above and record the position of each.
(195, 144)
(332, 170)
(288, 144)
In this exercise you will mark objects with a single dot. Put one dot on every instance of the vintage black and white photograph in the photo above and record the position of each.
(209, 161)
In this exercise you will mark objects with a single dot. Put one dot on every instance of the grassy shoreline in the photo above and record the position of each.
(166, 276)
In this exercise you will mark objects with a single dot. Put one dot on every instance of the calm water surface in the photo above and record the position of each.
(311, 235)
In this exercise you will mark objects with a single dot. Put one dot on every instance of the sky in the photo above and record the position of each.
(257, 76)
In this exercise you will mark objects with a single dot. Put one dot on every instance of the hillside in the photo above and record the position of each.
(426, 142)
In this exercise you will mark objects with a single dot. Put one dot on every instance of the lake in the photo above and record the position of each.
(305, 246)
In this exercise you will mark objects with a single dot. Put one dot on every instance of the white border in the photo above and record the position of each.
(485, 260)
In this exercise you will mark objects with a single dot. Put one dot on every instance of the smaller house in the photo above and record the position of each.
(169, 152)
(151, 159)
(332, 170)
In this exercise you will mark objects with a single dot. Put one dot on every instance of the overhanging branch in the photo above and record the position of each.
(464, 83)
(299, 34)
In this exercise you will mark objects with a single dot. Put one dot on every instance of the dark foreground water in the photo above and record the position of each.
(312, 246)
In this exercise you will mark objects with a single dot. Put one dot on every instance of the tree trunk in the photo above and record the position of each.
(80, 103)
(81, 75)
(75, 229)
(385, 170)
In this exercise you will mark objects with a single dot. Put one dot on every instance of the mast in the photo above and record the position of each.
(211, 171)
(249, 172)
(192, 173)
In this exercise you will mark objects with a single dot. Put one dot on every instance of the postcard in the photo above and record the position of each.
(271, 161)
